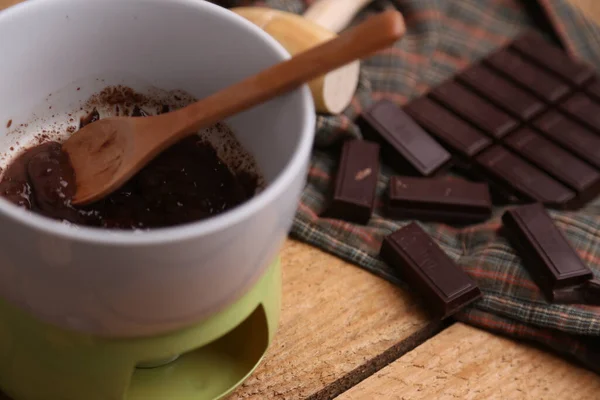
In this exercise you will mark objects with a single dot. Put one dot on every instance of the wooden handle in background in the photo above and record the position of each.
(334, 15)
(376, 33)
(332, 92)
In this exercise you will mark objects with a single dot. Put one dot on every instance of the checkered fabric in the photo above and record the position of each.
(443, 37)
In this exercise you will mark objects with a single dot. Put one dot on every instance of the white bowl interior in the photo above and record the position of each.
(71, 44)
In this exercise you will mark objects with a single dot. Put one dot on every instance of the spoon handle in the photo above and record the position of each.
(376, 33)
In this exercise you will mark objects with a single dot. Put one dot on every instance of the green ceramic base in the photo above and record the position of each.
(41, 362)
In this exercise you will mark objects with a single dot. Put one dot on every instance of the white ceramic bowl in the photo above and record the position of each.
(124, 283)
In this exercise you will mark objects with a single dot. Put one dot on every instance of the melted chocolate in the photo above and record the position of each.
(187, 182)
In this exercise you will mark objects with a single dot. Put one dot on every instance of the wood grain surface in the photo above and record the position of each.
(466, 363)
(339, 324)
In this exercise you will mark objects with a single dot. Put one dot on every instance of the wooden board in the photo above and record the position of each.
(467, 363)
(339, 325)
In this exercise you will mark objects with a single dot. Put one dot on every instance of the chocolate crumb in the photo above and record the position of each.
(9, 123)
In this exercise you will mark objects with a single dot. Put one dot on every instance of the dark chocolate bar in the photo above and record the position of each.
(405, 145)
(427, 269)
(562, 165)
(573, 136)
(441, 200)
(552, 58)
(474, 109)
(551, 261)
(355, 182)
(527, 75)
(501, 92)
(585, 293)
(458, 136)
(514, 175)
(584, 109)
(539, 111)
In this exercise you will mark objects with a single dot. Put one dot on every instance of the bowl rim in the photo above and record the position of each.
(122, 238)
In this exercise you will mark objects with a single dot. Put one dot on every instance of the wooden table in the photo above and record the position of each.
(347, 334)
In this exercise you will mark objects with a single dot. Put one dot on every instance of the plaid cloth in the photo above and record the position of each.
(443, 37)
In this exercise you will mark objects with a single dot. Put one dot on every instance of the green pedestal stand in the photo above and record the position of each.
(42, 362)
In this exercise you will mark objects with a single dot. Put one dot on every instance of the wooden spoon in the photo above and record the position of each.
(107, 153)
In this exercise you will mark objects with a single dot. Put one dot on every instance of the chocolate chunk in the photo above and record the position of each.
(528, 75)
(91, 117)
(583, 109)
(52, 181)
(551, 261)
(571, 135)
(440, 200)
(446, 288)
(515, 175)
(405, 145)
(501, 92)
(458, 136)
(552, 58)
(561, 164)
(474, 109)
(356, 182)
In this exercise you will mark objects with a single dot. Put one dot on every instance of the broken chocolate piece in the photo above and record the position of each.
(405, 145)
(474, 109)
(501, 92)
(52, 181)
(440, 200)
(527, 75)
(534, 47)
(356, 182)
(561, 164)
(426, 268)
(515, 175)
(551, 261)
(459, 137)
